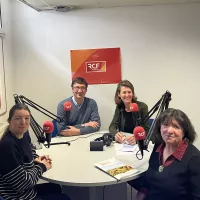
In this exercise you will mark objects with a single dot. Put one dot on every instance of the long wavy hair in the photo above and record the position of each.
(124, 83)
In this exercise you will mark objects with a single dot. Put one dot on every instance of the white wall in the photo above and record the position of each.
(160, 48)
(7, 47)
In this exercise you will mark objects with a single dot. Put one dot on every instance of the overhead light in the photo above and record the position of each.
(63, 8)
(59, 8)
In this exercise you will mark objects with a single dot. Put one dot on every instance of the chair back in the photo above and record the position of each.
(55, 131)
(150, 122)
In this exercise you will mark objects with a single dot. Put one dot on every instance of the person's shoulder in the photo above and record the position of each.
(7, 143)
(61, 103)
(192, 150)
(192, 154)
(90, 100)
(192, 157)
(141, 104)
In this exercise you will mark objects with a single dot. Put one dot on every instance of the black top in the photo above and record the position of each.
(178, 181)
(18, 172)
(129, 122)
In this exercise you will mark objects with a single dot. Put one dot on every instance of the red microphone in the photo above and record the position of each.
(134, 107)
(67, 106)
(48, 128)
(140, 135)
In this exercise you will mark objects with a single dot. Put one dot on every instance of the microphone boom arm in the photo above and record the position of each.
(37, 129)
(160, 106)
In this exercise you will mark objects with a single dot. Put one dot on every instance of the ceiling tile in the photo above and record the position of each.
(114, 3)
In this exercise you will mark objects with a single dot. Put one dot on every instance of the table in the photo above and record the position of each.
(74, 165)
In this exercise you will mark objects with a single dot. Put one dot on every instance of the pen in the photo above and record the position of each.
(124, 139)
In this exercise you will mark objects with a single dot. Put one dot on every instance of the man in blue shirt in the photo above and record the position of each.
(83, 117)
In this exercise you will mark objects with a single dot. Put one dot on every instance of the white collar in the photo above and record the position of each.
(75, 102)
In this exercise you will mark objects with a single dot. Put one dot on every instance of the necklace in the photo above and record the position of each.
(161, 168)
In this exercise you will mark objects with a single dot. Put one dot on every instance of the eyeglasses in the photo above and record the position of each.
(79, 88)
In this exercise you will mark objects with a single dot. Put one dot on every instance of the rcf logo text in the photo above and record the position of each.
(141, 134)
(68, 106)
(95, 66)
(46, 128)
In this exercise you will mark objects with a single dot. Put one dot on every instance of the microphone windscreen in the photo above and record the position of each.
(139, 133)
(67, 106)
(134, 107)
(48, 127)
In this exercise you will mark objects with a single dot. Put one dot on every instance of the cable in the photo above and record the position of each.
(68, 142)
(80, 137)
(137, 155)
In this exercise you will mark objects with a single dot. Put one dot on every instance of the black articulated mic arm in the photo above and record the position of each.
(160, 106)
(37, 129)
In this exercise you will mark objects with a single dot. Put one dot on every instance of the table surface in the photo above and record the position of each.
(74, 165)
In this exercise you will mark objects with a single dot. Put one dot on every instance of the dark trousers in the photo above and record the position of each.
(50, 191)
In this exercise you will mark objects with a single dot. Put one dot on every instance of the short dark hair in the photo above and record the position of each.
(168, 116)
(124, 83)
(79, 80)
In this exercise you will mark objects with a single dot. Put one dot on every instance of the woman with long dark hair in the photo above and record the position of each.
(174, 165)
(123, 120)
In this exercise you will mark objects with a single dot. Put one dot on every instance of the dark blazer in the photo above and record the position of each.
(118, 121)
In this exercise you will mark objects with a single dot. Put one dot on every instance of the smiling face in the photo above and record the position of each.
(79, 91)
(19, 122)
(126, 95)
(172, 133)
